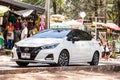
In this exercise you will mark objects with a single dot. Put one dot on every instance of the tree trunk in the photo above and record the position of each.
(96, 8)
(54, 6)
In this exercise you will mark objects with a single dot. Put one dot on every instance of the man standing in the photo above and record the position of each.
(24, 31)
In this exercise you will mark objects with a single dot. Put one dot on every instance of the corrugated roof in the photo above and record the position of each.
(16, 5)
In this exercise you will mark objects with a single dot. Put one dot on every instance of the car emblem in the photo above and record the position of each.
(26, 49)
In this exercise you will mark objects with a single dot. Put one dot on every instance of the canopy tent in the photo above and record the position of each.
(112, 26)
(23, 13)
(17, 5)
(3, 9)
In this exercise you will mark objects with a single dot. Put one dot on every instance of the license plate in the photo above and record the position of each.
(25, 55)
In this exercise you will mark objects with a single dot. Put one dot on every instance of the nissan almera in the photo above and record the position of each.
(60, 47)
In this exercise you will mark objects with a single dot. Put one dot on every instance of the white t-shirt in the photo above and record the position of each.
(24, 32)
(107, 49)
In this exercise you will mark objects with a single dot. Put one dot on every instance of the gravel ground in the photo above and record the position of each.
(62, 75)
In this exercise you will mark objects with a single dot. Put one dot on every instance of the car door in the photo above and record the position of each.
(82, 46)
(73, 44)
(77, 45)
(87, 46)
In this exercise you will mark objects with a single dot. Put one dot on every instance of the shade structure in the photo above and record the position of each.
(3, 9)
(112, 26)
(58, 25)
(23, 13)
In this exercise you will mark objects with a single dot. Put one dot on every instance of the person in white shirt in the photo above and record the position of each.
(24, 31)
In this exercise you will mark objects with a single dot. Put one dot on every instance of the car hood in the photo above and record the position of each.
(36, 42)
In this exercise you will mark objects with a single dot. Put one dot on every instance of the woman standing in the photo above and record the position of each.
(10, 36)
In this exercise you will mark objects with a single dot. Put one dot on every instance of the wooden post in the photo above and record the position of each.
(47, 14)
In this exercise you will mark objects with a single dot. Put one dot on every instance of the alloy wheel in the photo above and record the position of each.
(63, 58)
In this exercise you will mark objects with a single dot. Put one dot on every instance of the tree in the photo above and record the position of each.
(91, 7)
(40, 3)
(116, 9)
(55, 4)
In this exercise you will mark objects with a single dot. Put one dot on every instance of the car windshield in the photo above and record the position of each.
(53, 33)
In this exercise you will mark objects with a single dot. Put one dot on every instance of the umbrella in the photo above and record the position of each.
(58, 25)
(112, 26)
(74, 24)
(3, 9)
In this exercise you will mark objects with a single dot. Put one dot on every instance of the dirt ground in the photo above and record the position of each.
(62, 75)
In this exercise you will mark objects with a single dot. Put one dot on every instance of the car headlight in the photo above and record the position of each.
(50, 46)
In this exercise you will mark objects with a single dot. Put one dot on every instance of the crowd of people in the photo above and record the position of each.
(15, 30)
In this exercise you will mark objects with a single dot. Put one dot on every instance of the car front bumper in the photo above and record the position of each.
(42, 56)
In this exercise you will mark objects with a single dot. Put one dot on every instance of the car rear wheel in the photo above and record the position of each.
(22, 64)
(63, 58)
(95, 59)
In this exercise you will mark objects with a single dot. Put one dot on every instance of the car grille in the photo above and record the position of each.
(27, 49)
(30, 50)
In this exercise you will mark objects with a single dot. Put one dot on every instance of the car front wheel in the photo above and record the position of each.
(63, 58)
(95, 59)
(22, 64)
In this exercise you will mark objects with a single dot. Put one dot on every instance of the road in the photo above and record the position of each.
(6, 63)
(62, 75)
(10, 71)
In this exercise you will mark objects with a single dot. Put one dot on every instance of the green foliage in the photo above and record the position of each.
(40, 3)
(72, 8)
(116, 9)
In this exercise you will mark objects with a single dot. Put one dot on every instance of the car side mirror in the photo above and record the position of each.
(69, 38)
(76, 38)
(73, 39)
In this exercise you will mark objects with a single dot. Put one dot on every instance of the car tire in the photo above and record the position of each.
(95, 59)
(63, 59)
(22, 64)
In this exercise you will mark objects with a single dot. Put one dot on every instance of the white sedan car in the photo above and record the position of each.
(57, 47)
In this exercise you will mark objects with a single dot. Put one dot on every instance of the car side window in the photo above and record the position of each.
(76, 33)
(86, 36)
(82, 35)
